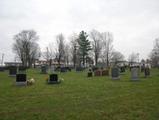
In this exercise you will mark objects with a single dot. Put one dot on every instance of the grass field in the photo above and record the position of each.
(80, 98)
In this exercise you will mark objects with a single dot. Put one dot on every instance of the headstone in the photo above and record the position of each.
(44, 69)
(147, 72)
(12, 71)
(2, 68)
(21, 79)
(63, 69)
(90, 74)
(105, 72)
(134, 73)
(68, 69)
(94, 68)
(142, 68)
(52, 69)
(122, 69)
(115, 73)
(79, 69)
(97, 73)
(53, 79)
(22, 70)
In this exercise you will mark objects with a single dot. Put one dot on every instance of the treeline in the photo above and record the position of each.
(81, 49)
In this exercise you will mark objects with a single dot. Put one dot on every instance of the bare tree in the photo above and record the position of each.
(49, 53)
(60, 52)
(154, 55)
(67, 54)
(133, 58)
(26, 47)
(107, 50)
(96, 44)
(117, 56)
(74, 48)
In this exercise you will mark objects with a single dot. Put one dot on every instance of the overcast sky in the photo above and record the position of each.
(134, 23)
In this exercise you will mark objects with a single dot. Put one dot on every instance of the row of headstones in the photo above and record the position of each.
(102, 72)
(21, 77)
(45, 69)
(98, 73)
(115, 73)
(13, 70)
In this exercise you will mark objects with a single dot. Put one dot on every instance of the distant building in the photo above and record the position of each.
(13, 64)
(120, 63)
(50, 62)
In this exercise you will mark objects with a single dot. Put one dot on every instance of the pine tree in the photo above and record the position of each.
(84, 46)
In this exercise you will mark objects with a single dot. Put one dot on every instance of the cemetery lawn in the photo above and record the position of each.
(80, 98)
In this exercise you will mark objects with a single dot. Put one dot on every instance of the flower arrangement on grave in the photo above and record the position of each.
(47, 79)
(30, 81)
(61, 79)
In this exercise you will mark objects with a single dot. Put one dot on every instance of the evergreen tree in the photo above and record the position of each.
(84, 46)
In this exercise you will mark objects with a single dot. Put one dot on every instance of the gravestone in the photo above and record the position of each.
(53, 79)
(21, 79)
(2, 69)
(68, 69)
(90, 74)
(52, 69)
(115, 73)
(147, 72)
(94, 68)
(122, 69)
(21, 70)
(79, 69)
(12, 71)
(63, 69)
(142, 68)
(44, 69)
(97, 73)
(134, 73)
(105, 72)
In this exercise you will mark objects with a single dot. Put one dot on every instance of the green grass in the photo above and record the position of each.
(80, 98)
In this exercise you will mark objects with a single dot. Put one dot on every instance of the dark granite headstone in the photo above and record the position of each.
(63, 69)
(2, 68)
(115, 73)
(94, 68)
(90, 74)
(122, 69)
(53, 79)
(22, 70)
(134, 73)
(12, 71)
(21, 79)
(68, 69)
(79, 69)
